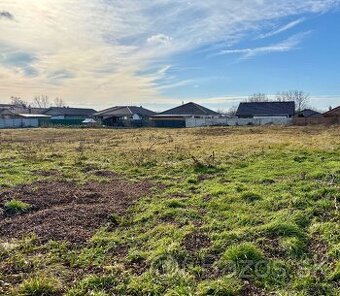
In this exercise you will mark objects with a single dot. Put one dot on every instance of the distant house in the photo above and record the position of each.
(68, 116)
(124, 116)
(266, 110)
(179, 116)
(11, 119)
(306, 113)
(333, 116)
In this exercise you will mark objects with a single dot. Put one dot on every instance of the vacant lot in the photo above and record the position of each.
(211, 211)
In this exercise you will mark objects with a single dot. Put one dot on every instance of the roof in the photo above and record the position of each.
(266, 109)
(189, 109)
(55, 111)
(308, 113)
(124, 111)
(333, 112)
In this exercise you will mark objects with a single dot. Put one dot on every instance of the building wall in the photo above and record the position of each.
(198, 122)
(19, 122)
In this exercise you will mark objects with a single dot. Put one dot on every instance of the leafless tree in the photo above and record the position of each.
(232, 111)
(300, 98)
(17, 101)
(258, 97)
(41, 101)
(59, 102)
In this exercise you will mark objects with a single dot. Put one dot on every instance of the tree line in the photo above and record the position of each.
(41, 101)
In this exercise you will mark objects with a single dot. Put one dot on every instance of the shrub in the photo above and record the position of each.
(40, 286)
(16, 206)
(220, 287)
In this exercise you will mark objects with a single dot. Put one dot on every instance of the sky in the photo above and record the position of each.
(159, 53)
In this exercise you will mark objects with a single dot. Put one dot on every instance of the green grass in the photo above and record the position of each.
(16, 206)
(230, 208)
(39, 286)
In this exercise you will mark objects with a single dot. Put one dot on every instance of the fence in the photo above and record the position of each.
(316, 120)
(200, 122)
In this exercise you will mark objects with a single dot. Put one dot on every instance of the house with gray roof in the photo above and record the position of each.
(177, 117)
(266, 110)
(124, 116)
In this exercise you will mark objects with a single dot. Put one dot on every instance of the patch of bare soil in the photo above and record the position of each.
(196, 241)
(252, 290)
(65, 211)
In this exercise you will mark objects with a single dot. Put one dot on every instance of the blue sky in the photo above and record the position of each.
(100, 53)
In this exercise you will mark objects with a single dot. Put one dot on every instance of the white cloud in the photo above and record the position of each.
(94, 51)
(284, 46)
(282, 29)
(159, 39)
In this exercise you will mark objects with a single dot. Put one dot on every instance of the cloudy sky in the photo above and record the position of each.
(158, 53)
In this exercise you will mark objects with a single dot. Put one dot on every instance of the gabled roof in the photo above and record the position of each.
(55, 111)
(308, 113)
(333, 112)
(266, 109)
(189, 109)
(119, 111)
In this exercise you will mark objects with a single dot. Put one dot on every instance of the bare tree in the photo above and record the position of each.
(17, 101)
(41, 101)
(258, 97)
(300, 98)
(59, 102)
(232, 111)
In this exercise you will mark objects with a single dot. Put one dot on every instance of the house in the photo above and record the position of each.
(68, 116)
(124, 116)
(332, 116)
(266, 110)
(306, 113)
(180, 116)
(10, 119)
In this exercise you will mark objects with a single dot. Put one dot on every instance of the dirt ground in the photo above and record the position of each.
(62, 210)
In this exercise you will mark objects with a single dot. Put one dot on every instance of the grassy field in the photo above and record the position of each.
(211, 211)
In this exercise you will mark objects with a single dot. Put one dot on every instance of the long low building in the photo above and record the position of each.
(9, 119)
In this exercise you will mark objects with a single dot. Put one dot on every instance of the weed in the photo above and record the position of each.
(221, 287)
(16, 206)
(40, 286)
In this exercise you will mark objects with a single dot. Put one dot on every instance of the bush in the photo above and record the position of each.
(220, 287)
(39, 286)
(16, 206)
